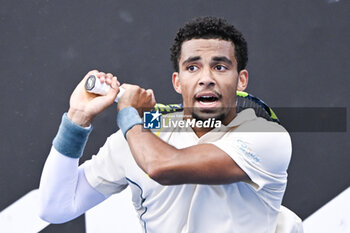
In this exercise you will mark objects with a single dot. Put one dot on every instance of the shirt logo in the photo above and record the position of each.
(243, 146)
(151, 120)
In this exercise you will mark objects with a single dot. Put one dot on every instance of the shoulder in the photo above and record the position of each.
(262, 149)
(267, 143)
(259, 142)
(249, 122)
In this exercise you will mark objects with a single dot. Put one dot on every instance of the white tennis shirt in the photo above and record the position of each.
(260, 147)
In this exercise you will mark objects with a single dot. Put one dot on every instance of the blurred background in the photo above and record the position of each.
(298, 57)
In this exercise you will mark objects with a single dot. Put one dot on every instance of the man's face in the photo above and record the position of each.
(208, 79)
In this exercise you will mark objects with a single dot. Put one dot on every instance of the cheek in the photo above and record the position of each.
(186, 95)
(230, 93)
(187, 90)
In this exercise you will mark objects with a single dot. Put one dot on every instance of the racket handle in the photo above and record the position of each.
(93, 85)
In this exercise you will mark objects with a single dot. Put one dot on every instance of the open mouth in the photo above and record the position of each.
(207, 98)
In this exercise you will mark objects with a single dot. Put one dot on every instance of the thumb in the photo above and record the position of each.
(114, 89)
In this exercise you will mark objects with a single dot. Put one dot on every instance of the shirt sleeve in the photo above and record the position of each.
(64, 191)
(105, 172)
(263, 156)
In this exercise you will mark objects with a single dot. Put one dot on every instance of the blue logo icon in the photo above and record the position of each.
(151, 120)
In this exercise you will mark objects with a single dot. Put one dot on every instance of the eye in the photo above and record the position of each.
(192, 68)
(220, 68)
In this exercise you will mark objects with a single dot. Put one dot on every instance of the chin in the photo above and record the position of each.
(205, 115)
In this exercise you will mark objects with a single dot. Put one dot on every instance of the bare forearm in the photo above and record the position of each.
(150, 152)
(200, 164)
(79, 117)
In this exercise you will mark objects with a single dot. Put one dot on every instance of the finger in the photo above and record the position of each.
(109, 77)
(149, 93)
(152, 97)
(114, 82)
(153, 102)
(113, 91)
(101, 76)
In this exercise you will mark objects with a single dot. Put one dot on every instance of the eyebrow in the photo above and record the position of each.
(191, 59)
(214, 59)
(222, 59)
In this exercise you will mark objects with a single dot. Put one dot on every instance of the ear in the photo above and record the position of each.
(176, 82)
(242, 80)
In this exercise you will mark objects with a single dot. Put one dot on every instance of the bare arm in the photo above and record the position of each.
(200, 164)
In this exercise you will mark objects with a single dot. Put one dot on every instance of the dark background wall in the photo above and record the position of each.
(298, 57)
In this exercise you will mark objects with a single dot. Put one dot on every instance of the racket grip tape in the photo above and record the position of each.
(93, 85)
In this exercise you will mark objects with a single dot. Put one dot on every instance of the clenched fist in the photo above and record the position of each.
(84, 106)
(137, 97)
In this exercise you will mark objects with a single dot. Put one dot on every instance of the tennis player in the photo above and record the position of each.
(183, 179)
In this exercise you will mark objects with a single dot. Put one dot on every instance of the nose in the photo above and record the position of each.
(206, 79)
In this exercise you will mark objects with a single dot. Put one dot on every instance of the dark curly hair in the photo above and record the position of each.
(210, 28)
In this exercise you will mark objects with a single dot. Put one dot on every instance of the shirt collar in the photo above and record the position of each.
(216, 133)
(243, 116)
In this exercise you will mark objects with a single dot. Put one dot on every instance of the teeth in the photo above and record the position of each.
(205, 103)
(207, 96)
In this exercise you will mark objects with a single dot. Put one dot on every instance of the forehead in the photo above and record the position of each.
(207, 47)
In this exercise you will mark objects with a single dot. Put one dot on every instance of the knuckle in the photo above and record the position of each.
(138, 89)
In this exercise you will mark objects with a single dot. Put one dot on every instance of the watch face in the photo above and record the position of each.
(90, 83)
